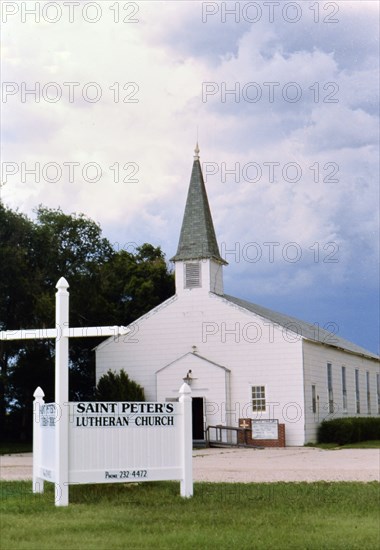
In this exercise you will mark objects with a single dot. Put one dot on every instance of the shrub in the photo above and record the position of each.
(118, 387)
(349, 430)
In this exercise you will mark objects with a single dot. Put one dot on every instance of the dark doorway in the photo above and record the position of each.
(198, 428)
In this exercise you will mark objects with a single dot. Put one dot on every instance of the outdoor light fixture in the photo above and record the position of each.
(188, 378)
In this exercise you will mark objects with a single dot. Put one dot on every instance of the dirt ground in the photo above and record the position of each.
(254, 465)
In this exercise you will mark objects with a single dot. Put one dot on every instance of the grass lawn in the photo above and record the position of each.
(371, 444)
(219, 516)
(10, 448)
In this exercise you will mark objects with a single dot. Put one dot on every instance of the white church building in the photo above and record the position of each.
(242, 360)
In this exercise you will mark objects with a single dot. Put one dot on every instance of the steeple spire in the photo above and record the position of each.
(196, 151)
(197, 239)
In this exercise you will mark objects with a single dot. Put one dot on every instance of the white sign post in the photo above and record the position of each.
(187, 441)
(61, 333)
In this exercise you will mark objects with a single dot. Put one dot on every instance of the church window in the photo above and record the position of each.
(258, 398)
(368, 393)
(314, 398)
(357, 391)
(330, 388)
(344, 389)
(193, 275)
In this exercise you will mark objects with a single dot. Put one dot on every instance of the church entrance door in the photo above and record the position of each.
(198, 418)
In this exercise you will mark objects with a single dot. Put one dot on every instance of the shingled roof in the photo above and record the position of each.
(302, 328)
(197, 238)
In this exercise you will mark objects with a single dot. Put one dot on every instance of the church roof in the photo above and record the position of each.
(197, 239)
(302, 328)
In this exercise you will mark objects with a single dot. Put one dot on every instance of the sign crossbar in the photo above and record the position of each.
(68, 332)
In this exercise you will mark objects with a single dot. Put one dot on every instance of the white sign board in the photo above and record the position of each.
(264, 429)
(48, 419)
(137, 440)
(118, 442)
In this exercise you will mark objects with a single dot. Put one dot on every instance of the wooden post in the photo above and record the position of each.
(186, 441)
(38, 482)
(62, 394)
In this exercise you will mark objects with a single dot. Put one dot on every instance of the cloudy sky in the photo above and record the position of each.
(284, 100)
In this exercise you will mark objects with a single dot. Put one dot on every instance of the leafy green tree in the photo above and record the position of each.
(18, 289)
(106, 288)
(136, 282)
(73, 246)
(34, 362)
(118, 387)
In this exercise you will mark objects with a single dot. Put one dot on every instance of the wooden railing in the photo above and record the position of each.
(228, 436)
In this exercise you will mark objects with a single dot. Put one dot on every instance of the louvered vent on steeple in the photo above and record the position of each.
(193, 275)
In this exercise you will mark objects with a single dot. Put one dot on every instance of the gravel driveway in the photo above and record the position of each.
(286, 464)
(254, 465)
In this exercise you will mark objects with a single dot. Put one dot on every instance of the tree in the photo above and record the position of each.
(136, 282)
(118, 387)
(73, 246)
(34, 362)
(106, 288)
(17, 291)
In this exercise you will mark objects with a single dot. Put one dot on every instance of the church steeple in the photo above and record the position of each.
(197, 239)
(198, 261)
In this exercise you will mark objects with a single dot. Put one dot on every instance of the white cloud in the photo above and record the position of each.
(169, 54)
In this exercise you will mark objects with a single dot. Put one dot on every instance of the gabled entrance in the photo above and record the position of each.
(210, 388)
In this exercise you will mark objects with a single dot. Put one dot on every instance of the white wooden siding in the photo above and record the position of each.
(316, 357)
(255, 352)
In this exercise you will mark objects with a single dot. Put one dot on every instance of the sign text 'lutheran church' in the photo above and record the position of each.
(123, 414)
